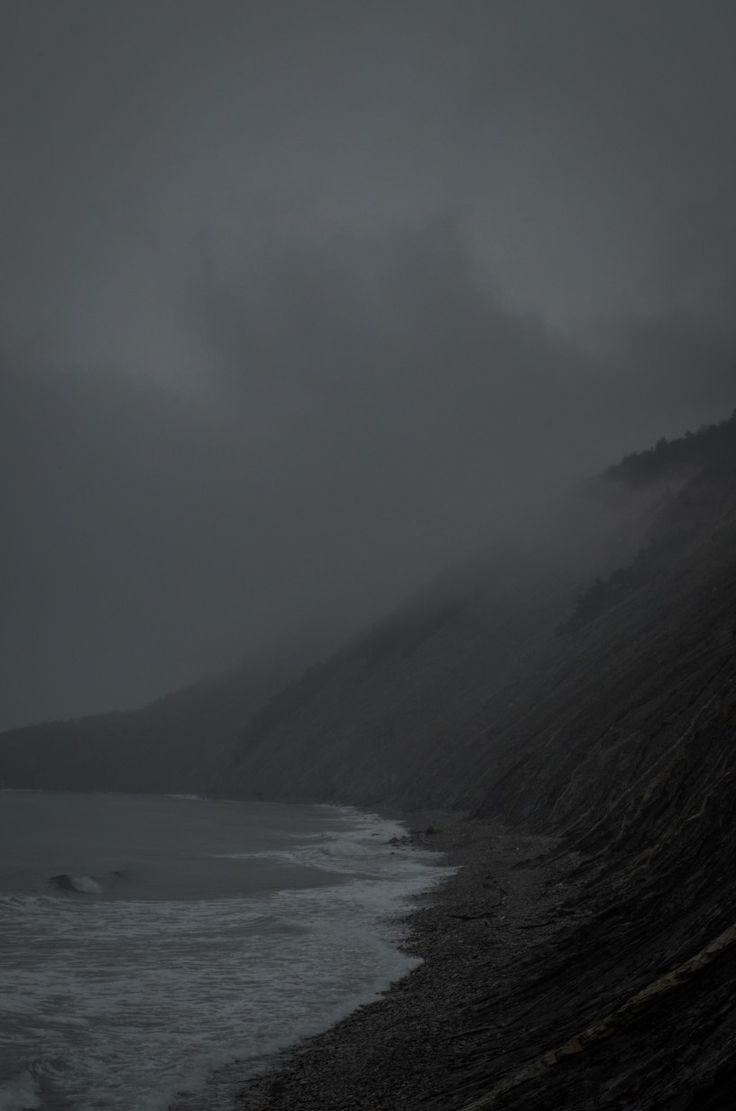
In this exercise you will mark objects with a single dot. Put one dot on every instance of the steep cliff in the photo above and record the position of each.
(626, 752)
(428, 707)
(586, 958)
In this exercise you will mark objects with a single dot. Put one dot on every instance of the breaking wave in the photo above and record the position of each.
(84, 885)
(114, 996)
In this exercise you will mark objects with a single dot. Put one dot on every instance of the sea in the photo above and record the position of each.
(155, 950)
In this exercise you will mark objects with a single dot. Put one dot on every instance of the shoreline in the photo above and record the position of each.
(221, 1085)
(399, 1051)
(539, 989)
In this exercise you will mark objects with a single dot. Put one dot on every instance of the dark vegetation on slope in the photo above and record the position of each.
(711, 446)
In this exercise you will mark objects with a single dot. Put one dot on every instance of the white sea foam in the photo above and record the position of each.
(126, 1002)
(85, 885)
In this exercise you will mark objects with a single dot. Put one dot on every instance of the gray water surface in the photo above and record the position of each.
(147, 940)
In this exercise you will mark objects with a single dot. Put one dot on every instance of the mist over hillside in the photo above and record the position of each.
(424, 706)
(286, 330)
(602, 718)
(365, 373)
(574, 686)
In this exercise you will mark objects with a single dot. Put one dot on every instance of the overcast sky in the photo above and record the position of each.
(301, 300)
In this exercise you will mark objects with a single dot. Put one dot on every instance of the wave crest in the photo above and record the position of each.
(83, 885)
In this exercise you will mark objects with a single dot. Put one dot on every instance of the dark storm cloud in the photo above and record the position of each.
(301, 301)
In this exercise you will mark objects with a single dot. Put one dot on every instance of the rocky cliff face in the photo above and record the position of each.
(531, 678)
(364, 725)
(627, 753)
(596, 970)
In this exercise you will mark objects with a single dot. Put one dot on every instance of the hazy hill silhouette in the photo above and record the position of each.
(176, 743)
